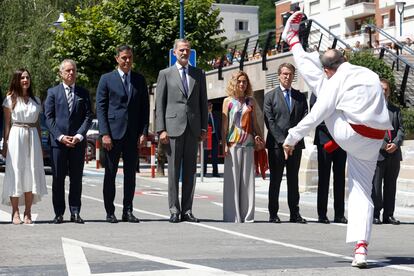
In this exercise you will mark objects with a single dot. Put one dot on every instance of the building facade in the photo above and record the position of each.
(346, 18)
(239, 21)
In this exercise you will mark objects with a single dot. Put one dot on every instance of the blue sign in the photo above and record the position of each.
(192, 59)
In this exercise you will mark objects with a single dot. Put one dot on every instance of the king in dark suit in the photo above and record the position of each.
(181, 122)
(388, 165)
(122, 108)
(68, 116)
(284, 107)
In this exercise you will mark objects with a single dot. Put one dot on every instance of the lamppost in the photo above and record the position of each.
(181, 18)
(400, 8)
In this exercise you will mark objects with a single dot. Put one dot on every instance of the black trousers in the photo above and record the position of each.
(383, 196)
(277, 164)
(127, 146)
(67, 161)
(335, 160)
(214, 155)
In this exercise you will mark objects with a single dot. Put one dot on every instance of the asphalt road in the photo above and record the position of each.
(157, 247)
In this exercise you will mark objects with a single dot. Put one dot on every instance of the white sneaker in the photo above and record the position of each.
(290, 33)
(360, 257)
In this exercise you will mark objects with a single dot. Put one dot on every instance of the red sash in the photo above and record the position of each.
(369, 132)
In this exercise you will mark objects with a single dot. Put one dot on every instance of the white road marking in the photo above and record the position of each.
(265, 210)
(269, 241)
(5, 216)
(77, 264)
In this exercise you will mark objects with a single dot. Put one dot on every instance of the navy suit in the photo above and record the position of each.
(123, 114)
(64, 159)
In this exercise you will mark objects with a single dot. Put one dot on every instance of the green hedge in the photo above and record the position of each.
(408, 122)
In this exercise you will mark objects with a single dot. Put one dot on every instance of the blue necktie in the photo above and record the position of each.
(184, 81)
(287, 99)
(126, 82)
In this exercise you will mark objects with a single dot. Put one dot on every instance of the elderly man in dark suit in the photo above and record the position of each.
(181, 122)
(122, 108)
(68, 116)
(284, 107)
(388, 165)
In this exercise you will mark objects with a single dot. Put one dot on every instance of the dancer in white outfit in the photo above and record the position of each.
(352, 104)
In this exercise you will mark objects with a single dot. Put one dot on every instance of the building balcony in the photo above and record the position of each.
(358, 9)
(386, 4)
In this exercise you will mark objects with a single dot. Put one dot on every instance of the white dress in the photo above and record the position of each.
(24, 161)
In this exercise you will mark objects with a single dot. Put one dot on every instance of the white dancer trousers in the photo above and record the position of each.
(362, 155)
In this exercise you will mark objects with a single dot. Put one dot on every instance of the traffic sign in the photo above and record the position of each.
(192, 59)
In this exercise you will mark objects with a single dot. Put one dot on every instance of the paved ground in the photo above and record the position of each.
(156, 247)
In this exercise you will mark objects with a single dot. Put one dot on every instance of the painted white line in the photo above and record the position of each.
(77, 264)
(269, 241)
(264, 210)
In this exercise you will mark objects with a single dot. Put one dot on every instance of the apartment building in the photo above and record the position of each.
(346, 18)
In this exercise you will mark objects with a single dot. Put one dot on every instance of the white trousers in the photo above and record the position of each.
(362, 154)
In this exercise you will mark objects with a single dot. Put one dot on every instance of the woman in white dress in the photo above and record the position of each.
(24, 180)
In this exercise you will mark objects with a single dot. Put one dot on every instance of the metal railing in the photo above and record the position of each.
(315, 37)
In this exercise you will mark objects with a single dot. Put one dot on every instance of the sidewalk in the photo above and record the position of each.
(215, 184)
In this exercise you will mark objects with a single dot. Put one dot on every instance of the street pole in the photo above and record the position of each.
(181, 18)
(400, 8)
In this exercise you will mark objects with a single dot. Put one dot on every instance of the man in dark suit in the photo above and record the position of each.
(284, 107)
(122, 108)
(181, 122)
(68, 116)
(328, 157)
(213, 122)
(388, 165)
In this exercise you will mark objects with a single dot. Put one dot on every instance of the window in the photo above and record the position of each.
(242, 25)
(385, 20)
(334, 30)
(333, 4)
(314, 8)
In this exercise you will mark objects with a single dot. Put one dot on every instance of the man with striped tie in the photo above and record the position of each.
(68, 116)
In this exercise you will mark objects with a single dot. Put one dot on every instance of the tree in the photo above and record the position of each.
(26, 34)
(149, 26)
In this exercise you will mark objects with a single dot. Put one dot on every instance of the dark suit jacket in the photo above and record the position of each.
(58, 118)
(278, 120)
(322, 135)
(118, 109)
(397, 134)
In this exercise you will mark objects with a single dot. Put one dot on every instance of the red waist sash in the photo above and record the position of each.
(369, 132)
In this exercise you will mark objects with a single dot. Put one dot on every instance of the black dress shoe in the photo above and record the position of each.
(189, 217)
(341, 220)
(76, 219)
(216, 175)
(129, 217)
(324, 220)
(376, 221)
(297, 219)
(274, 219)
(174, 218)
(390, 220)
(111, 219)
(58, 219)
